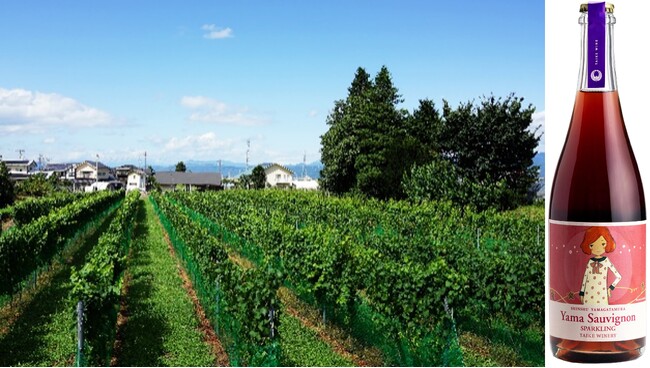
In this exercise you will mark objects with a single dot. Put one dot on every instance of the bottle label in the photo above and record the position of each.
(596, 23)
(597, 281)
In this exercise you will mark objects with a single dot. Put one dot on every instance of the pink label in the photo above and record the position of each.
(597, 280)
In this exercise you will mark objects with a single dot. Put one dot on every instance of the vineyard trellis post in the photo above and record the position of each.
(80, 332)
(217, 305)
(272, 321)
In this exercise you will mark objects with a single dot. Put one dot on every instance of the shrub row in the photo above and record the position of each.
(33, 245)
(244, 300)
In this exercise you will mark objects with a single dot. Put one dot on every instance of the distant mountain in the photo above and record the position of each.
(312, 170)
(231, 169)
(539, 160)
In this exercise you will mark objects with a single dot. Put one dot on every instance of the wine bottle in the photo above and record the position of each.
(597, 234)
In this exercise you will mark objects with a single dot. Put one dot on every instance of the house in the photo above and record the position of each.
(278, 175)
(93, 170)
(61, 171)
(122, 173)
(136, 181)
(173, 180)
(20, 169)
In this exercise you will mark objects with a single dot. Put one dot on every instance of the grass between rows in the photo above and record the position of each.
(301, 346)
(161, 327)
(43, 333)
(492, 342)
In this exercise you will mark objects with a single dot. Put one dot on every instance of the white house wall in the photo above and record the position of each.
(276, 175)
(91, 172)
(135, 181)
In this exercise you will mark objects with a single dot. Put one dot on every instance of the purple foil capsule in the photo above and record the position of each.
(597, 21)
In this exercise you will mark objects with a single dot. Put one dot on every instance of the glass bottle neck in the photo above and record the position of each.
(597, 71)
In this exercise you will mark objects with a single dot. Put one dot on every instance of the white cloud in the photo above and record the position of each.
(49, 140)
(23, 110)
(539, 121)
(214, 33)
(208, 110)
(313, 113)
(202, 145)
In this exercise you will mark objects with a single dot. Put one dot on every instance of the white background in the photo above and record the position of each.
(632, 58)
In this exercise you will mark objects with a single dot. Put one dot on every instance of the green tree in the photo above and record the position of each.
(492, 143)
(441, 180)
(367, 146)
(55, 182)
(384, 151)
(180, 167)
(371, 143)
(244, 181)
(36, 185)
(7, 190)
(152, 183)
(425, 126)
(258, 177)
(339, 145)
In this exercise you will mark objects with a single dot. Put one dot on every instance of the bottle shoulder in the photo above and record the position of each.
(597, 177)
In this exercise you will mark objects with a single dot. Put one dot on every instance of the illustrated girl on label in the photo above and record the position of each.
(596, 242)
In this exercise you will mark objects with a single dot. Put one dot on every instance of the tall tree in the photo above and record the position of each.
(180, 167)
(425, 126)
(339, 145)
(492, 143)
(382, 140)
(371, 143)
(7, 190)
(368, 147)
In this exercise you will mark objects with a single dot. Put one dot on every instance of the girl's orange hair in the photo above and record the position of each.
(592, 234)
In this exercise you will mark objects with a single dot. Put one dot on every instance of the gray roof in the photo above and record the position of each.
(127, 167)
(18, 162)
(57, 167)
(175, 177)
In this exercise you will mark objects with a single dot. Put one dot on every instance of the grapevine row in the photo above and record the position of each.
(413, 264)
(244, 300)
(30, 209)
(99, 282)
(33, 245)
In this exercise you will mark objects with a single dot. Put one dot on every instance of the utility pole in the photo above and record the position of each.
(304, 165)
(248, 150)
(145, 170)
(20, 153)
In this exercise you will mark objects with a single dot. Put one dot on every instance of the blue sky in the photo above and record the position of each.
(194, 80)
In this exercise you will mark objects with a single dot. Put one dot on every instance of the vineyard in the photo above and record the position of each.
(268, 278)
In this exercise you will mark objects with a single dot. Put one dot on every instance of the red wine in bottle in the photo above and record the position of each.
(597, 234)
